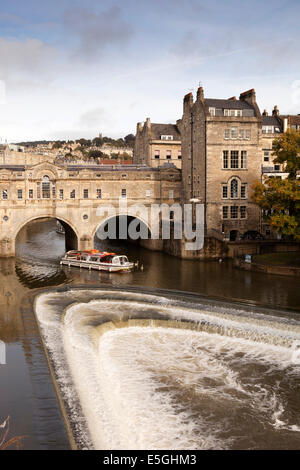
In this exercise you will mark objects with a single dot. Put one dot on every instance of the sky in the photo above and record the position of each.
(71, 69)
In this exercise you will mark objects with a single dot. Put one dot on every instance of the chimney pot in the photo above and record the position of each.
(200, 93)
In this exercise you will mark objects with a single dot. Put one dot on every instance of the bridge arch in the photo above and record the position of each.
(130, 218)
(71, 234)
(148, 242)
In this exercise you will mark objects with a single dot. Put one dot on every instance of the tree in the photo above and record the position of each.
(280, 199)
(129, 140)
(94, 154)
(280, 202)
(98, 141)
(286, 148)
(84, 142)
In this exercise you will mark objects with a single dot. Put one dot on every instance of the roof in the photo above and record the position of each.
(293, 120)
(227, 104)
(165, 129)
(271, 121)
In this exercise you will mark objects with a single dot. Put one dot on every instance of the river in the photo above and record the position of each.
(27, 393)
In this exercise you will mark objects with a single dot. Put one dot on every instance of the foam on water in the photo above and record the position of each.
(181, 381)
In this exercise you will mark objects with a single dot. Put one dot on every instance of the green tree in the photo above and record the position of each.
(84, 142)
(280, 203)
(98, 141)
(286, 149)
(94, 154)
(129, 140)
(279, 198)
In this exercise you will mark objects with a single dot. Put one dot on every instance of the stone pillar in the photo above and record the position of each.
(7, 247)
(85, 243)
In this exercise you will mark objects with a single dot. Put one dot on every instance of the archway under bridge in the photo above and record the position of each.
(122, 229)
(69, 232)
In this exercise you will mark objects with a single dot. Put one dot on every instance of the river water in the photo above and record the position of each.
(231, 381)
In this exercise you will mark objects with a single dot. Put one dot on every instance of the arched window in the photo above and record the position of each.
(234, 189)
(46, 187)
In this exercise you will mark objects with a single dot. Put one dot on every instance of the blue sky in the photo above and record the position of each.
(71, 69)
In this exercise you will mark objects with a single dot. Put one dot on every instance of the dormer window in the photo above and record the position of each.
(233, 112)
(166, 137)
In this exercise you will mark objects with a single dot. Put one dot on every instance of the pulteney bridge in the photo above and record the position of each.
(73, 194)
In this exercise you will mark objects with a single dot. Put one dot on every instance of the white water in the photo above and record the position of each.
(154, 387)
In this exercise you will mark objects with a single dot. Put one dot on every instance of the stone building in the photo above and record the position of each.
(272, 127)
(221, 160)
(157, 144)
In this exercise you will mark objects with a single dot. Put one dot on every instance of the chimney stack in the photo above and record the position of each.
(200, 93)
(249, 96)
(275, 111)
(265, 113)
(188, 101)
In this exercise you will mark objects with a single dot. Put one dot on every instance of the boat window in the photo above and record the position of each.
(95, 259)
(106, 259)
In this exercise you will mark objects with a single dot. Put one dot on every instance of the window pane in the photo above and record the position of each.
(225, 212)
(234, 212)
(225, 159)
(234, 159)
(243, 212)
(234, 189)
(243, 159)
(234, 133)
(46, 187)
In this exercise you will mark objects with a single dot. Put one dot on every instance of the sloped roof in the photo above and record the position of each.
(271, 121)
(292, 119)
(227, 104)
(165, 129)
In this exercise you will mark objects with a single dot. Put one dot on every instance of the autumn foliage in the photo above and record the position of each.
(279, 198)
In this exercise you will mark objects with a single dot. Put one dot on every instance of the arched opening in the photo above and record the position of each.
(45, 238)
(234, 189)
(122, 233)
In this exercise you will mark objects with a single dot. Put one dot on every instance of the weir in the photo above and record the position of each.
(156, 372)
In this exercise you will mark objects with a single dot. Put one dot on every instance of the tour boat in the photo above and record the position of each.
(100, 260)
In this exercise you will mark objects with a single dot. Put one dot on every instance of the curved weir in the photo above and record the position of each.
(139, 371)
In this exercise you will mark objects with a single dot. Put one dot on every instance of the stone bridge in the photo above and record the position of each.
(73, 195)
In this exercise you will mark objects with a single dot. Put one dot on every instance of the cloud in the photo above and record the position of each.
(29, 58)
(92, 118)
(95, 32)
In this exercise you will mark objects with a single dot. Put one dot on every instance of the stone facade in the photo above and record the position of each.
(157, 144)
(221, 160)
(73, 194)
